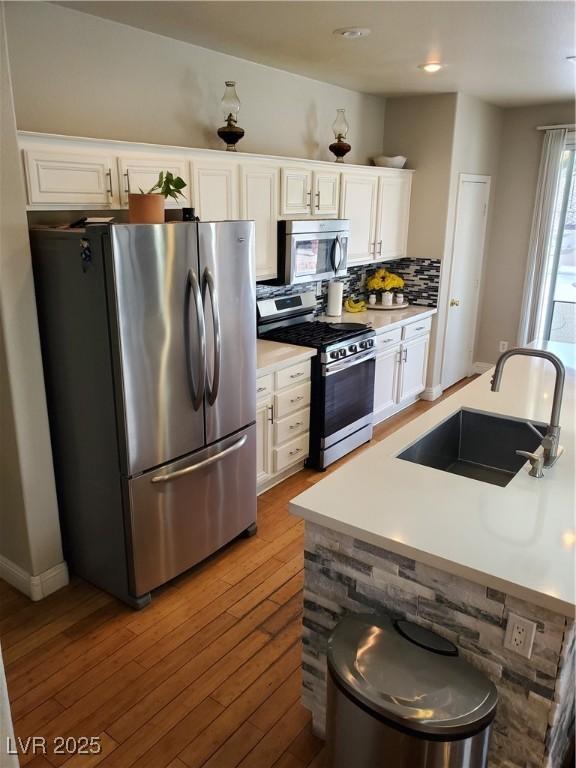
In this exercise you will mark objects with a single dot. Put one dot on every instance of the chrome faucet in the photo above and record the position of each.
(550, 442)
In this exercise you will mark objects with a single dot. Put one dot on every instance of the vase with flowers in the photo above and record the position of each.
(386, 284)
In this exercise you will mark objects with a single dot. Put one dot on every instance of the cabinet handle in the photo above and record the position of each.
(387, 341)
(127, 177)
(271, 414)
(261, 389)
(296, 375)
(297, 399)
(294, 452)
(296, 425)
(318, 200)
(379, 247)
(109, 177)
(420, 328)
(405, 354)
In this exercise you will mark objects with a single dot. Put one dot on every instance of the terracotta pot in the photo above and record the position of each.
(145, 209)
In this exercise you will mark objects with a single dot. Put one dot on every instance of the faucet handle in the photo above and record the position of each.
(536, 462)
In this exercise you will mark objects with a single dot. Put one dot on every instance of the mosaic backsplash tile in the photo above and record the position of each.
(421, 276)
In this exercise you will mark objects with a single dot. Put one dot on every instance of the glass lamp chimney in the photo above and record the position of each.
(340, 125)
(230, 102)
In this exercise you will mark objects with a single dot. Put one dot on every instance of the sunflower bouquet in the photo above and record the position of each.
(382, 280)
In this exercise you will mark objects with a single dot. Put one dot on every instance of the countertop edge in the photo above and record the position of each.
(303, 353)
(549, 602)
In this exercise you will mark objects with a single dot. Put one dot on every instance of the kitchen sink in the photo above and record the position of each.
(477, 445)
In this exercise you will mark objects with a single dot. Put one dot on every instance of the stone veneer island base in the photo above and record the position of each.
(534, 721)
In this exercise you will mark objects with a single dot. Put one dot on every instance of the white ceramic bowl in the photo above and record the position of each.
(399, 161)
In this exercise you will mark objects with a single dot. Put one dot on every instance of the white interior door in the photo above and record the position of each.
(465, 274)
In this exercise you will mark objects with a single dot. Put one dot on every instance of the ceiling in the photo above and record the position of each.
(508, 53)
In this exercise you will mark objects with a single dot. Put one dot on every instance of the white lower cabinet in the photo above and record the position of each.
(413, 368)
(263, 440)
(282, 423)
(401, 363)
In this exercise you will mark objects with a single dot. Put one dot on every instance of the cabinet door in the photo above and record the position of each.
(296, 192)
(326, 193)
(141, 173)
(215, 190)
(69, 178)
(263, 440)
(386, 382)
(259, 191)
(393, 215)
(414, 364)
(358, 204)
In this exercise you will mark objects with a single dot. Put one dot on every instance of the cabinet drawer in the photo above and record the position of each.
(291, 400)
(264, 386)
(291, 426)
(292, 452)
(417, 329)
(293, 375)
(387, 339)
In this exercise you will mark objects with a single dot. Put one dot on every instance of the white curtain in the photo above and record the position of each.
(540, 252)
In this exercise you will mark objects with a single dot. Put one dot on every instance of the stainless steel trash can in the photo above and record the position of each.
(399, 696)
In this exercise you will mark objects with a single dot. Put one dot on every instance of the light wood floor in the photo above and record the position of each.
(207, 675)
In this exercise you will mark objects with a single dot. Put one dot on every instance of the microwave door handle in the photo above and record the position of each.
(333, 254)
(212, 389)
(193, 290)
(338, 243)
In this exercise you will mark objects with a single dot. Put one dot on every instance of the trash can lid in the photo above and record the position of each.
(410, 677)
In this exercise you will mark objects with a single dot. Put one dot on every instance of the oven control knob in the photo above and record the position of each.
(353, 348)
(334, 355)
(342, 353)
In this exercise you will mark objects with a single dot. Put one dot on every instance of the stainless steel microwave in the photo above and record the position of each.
(311, 250)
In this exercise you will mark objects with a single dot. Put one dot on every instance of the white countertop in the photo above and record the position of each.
(382, 319)
(519, 539)
(273, 355)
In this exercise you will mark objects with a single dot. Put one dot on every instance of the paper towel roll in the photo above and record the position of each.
(335, 290)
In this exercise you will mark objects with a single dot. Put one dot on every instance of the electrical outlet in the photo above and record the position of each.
(519, 637)
(503, 346)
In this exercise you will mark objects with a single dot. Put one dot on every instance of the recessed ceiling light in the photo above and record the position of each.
(352, 33)
(431, 67)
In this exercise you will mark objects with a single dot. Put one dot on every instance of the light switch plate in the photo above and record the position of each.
(519, 637)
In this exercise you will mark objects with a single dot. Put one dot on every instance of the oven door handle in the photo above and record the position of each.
(329, 370)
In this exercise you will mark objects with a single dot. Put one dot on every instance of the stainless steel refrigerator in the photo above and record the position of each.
(149, 348)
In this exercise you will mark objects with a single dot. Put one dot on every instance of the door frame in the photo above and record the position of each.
(477, 178)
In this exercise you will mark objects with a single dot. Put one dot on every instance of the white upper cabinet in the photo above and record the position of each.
(296, 192)
(71, 179)
(326, 193)
(393, 215)
(141, 173)
(259, 193)
(215, 190)
(359, 204)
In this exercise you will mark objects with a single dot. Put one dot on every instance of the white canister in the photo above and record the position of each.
(372, 299)
(400, 298)
(387, 299)
(335, 291)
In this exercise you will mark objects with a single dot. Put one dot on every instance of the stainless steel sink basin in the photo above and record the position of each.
(477, 445)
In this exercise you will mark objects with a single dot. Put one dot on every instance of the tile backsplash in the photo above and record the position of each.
(421, 276)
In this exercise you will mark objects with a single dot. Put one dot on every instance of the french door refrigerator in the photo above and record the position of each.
(149, 349)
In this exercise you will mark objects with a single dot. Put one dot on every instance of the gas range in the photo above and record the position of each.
(342, 373)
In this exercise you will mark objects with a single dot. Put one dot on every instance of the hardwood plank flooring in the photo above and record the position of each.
(208, 676)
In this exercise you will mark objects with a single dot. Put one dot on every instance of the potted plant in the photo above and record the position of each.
(148, 207)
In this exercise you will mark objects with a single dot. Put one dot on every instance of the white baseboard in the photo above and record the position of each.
(35, 587)
(432, 393)
(481, 367)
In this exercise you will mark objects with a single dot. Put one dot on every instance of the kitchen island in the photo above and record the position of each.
(459, 556)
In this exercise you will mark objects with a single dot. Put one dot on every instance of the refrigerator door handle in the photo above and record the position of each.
(194, 290)
(201, 464)
(212, 389)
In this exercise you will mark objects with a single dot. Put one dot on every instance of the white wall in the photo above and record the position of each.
(421, 128)
(76, 74)
(507, 250)
(29, 528)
